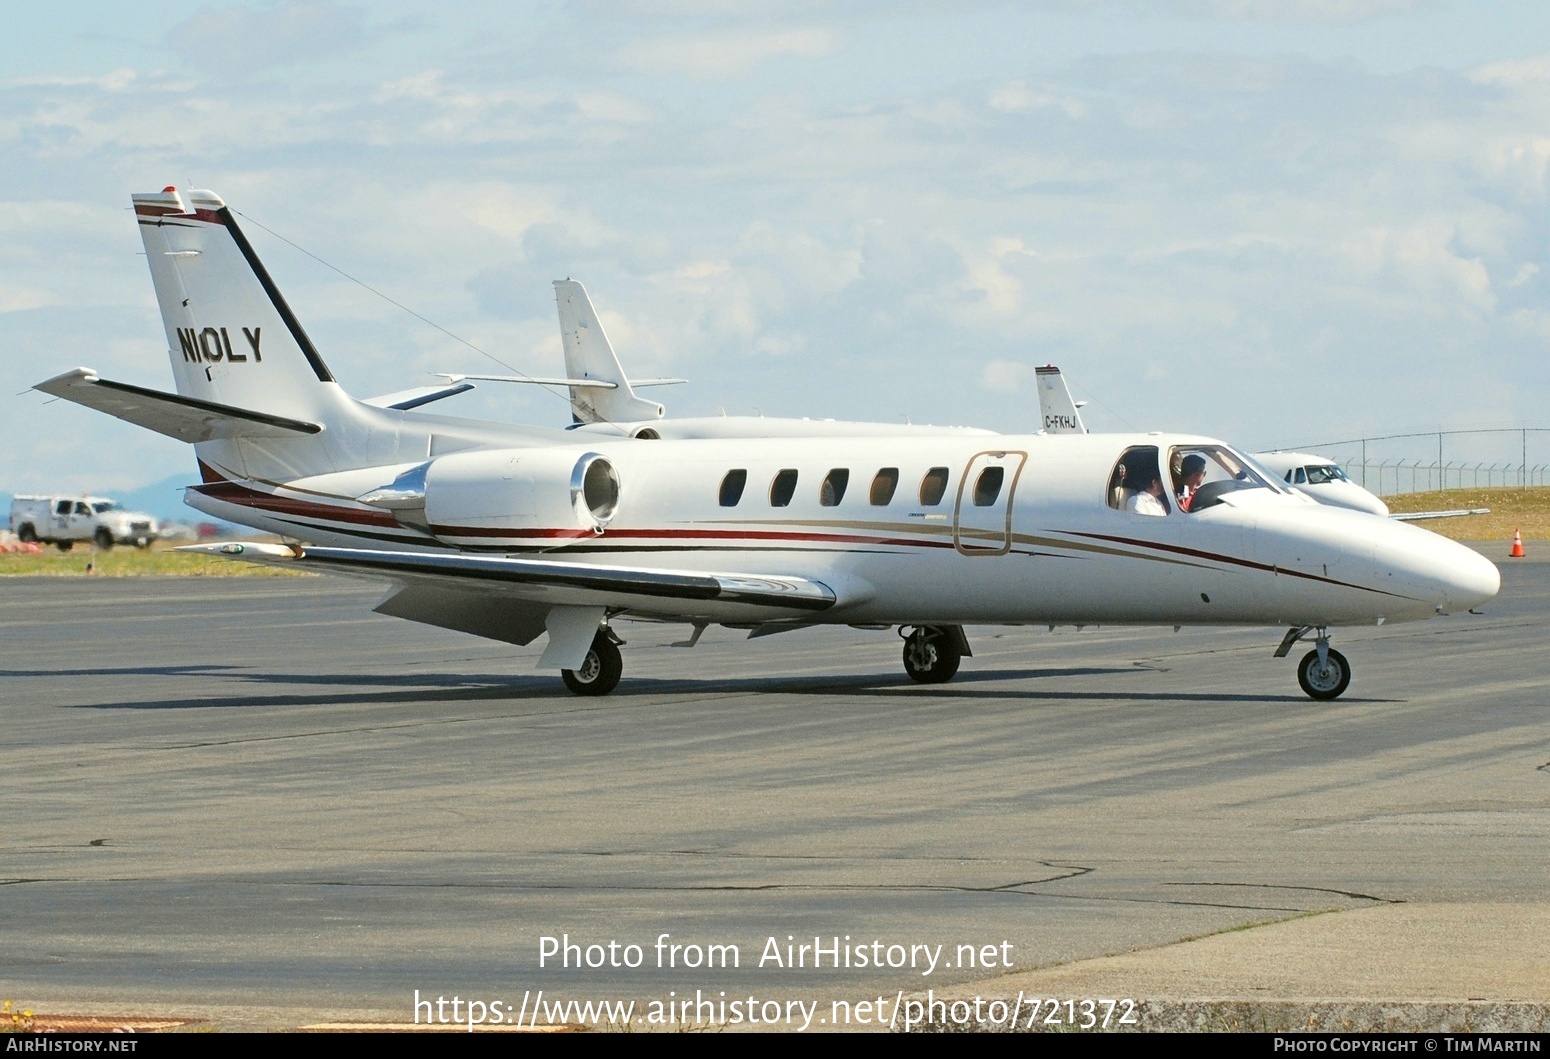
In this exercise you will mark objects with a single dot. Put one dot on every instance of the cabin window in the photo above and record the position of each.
(783, 488)
(933, 487)
(62, 508)
(732, 487)
(82, 509)
(988, 487)
(833, 489)
(883, 485)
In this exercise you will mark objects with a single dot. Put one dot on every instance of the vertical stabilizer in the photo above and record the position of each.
(1056, 409)
(230, 334)
(589, 356)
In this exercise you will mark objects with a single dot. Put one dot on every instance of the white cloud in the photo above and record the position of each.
(1532, 70)
(242, 40)
(1016, 97)
(13, 299)
(725, 56)
(1267, 11)
(1005, 376)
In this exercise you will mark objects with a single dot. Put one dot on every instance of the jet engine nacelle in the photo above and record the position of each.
(552, 495)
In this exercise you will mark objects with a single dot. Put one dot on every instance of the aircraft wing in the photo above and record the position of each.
(1417, 516)
(516, 599)
(185, 418)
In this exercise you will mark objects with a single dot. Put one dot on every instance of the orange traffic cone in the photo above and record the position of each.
(1517, 546)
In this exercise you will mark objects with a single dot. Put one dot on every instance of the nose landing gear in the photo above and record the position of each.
(1323, 672)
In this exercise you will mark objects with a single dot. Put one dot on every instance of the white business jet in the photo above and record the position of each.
(1317, 477)
(513, 532)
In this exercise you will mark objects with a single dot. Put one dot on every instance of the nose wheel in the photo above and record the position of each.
(1325, 678)
(1323, 672)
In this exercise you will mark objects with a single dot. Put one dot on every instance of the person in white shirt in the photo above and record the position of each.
(1148, 500)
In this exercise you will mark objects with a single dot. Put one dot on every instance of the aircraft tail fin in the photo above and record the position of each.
(589, 356)
(1056, 409)
(231, 336)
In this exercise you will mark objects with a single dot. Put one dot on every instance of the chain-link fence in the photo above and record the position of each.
(1442, 459)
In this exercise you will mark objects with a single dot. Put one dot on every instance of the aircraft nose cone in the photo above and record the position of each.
(1438, 574)
(1471, 579)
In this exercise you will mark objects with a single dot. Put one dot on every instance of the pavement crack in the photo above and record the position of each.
(1353, 894)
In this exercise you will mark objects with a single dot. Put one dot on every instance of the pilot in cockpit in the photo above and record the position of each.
(1191, 472)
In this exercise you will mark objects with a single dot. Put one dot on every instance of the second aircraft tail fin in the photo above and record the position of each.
(1056, 409)
(590, 357)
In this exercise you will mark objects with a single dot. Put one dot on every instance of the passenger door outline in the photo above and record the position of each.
(986, 530)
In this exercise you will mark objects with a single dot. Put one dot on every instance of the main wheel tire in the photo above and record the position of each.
(599, 673)
(931, 656)
(1327, 682)
(64, 546)
(104, 539)
(27, 534)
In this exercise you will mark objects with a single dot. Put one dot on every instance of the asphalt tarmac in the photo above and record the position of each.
(254, 802)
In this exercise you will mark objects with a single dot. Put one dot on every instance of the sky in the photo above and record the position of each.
(1267, 221)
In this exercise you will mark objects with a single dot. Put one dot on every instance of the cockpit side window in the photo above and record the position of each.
(1136, 483)
(1203, 474)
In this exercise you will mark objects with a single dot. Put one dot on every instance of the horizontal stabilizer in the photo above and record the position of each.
(404, 400)
(595, 384)
(184, 418)
(592, 384)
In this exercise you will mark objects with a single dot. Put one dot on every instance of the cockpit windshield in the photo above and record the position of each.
(1318, 475)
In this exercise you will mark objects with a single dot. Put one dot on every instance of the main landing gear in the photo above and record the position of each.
(600, 670)
(1323, 672)
(932, 652)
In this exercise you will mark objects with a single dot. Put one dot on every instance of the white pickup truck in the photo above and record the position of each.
(63, 520)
